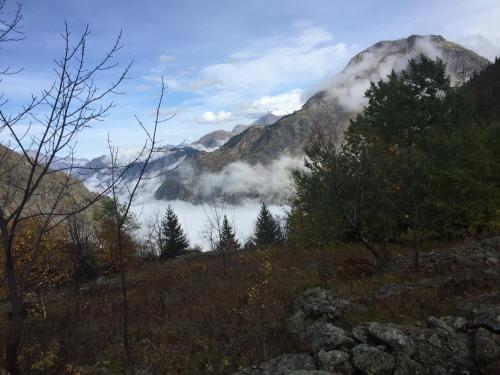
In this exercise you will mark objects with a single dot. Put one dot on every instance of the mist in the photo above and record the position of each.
(193, 218)
(372, 65)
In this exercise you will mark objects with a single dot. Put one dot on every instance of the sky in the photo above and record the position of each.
(225, 62)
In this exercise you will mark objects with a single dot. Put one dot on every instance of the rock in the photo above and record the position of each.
(278, 365)
(438, 348)
(493, 242)
(360, 333)
(486, 316)
(392, 336)
(458, 323)
(407, 366)
(335, 361)
(436, 323)
(326, 336)
(319, 303)
(296, 324)
(372, 361)
(486, 352)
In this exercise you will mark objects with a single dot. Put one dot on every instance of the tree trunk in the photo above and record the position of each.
(125, 297)
(16, 318)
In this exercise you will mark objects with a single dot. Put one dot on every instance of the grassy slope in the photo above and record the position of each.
(188, 318)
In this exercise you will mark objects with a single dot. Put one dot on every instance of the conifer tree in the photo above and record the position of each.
(267, 230)
(227, 238)
(174, 240)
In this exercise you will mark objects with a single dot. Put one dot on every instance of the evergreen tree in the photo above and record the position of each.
(227, 239)
(174, 241)
(415, 164)
(267, 230)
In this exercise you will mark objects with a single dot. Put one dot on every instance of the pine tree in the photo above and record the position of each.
(267, 230)
(174, 240)
(227, 239)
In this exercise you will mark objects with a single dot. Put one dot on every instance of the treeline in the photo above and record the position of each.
(420, 162)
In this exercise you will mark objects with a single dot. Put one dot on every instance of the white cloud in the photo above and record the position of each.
(270, 182)
(280, 105)
(211, 117)
(167, 58)
(308, 56)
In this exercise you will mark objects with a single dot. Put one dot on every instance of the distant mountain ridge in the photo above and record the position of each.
(336, 102)
(218, 138)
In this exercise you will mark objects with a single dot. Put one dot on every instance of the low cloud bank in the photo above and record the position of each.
(270, 182)
(193, 218)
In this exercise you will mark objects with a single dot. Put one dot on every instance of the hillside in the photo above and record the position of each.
(14, 171)
(188, 318)
(338, 100)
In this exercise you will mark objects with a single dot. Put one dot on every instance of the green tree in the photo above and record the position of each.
(174, 241)
(267, 230)
(227, 238)
(415, 164)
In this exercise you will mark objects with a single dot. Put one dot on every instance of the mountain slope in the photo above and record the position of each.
(56, 187)
(337, 100)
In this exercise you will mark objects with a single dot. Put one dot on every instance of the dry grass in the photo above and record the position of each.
(189, 318)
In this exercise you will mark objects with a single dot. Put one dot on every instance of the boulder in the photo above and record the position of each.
(486, 351)
(372, 361)
(441, 349)
(392, 336)
(486, 316)
(326, 336)
(407, 366)
(319, 303)
(335, 361)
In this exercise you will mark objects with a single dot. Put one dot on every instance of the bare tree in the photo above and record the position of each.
(215, 210)
(31, 185)
(123, 193)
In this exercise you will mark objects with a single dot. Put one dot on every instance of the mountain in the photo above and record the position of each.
(57, 192)
(337, 100)
(268, 119)
(217, 138)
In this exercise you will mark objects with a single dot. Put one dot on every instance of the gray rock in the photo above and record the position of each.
(360, 333)
(407, 366)
(335, 361)
(486, 351)
(493, 242)
(392, 336)
(372, 361)
(451, 351)
(486, 316)
(296, 324)
(319, 303)
(458, 323)
(436, 323)
(326, 336)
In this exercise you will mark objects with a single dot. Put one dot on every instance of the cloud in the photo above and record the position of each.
(372, 65)
(280, 105)
(272, 181)
(211, 117)
(309, 55)
(167, 58)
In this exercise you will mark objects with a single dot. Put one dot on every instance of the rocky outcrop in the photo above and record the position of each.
(465, 344)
